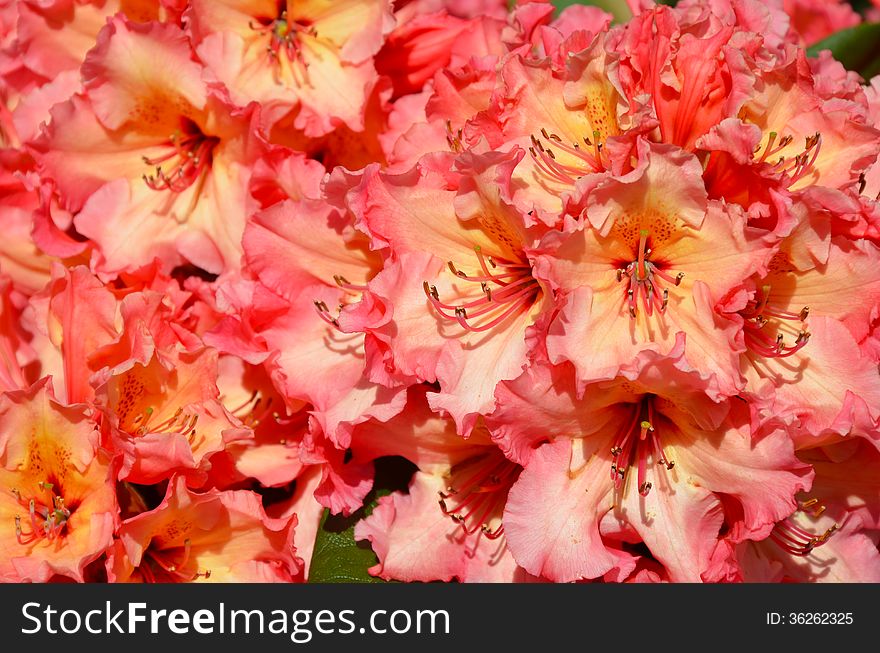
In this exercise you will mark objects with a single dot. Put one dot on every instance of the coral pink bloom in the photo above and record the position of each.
(55, 35)
(788, 133)
(832, 537)
(165, 416)
(313, 58)
(642, 276)
(222, 537)
(803, 329)
(448, 525)
(310, 257)
(821, 390)
(813, 20)
(272, 456)
(640, 460)
(20, 257)
(58, 504)
(563, 117)
(16, 354)
(257, 317)
(445, 114)
(155, 161)
(691, 72)
(426, 43)
(75, 316)
(457, 298)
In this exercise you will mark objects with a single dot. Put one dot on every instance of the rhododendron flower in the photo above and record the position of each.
(459, 291)
(645, 271)
(295, 56)
(793, 136)
(802, 333)
(448, 524)
(641, 458)
(165, 416)
(603, 296)
(58, 502)
(222, 537)
(563, 118)
(832, 536)
(687, 69)
(314, 284)
(271, 456)
(151, 154)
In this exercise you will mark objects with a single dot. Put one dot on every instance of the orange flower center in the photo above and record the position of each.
(47, 515)
(645, 280)
(285, 35)
(188, 156)
(173, 564)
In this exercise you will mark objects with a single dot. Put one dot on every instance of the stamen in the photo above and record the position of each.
(644, 277)
(630, 449)
(507, 292)
(480, 496)
(796, 540)
(758, 314)
(187, 159)
(48, 518)
(582, 161)
(286, 36)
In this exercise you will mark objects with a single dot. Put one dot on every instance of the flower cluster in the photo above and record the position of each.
(612, 289)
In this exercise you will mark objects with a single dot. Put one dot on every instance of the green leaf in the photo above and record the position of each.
(337, 557)
(617, 8)
(856, 48)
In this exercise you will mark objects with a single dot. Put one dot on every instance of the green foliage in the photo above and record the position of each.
(857, 48)
(337, 557)
(617, 8)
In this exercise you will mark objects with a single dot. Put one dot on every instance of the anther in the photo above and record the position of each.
(430, 290)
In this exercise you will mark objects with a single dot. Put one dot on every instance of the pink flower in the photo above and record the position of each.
(639, 459)
(223, 537)
(164, 416)
(806, 331)
(151, 155)
(787, 138)
(272, 456)
(562, 115)
(642, 275)
(448, 525)
(831, 537)
(813, 20)
(58, 504)
(294, 58)
(457, 294)
(687, 68)
(310, 356)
